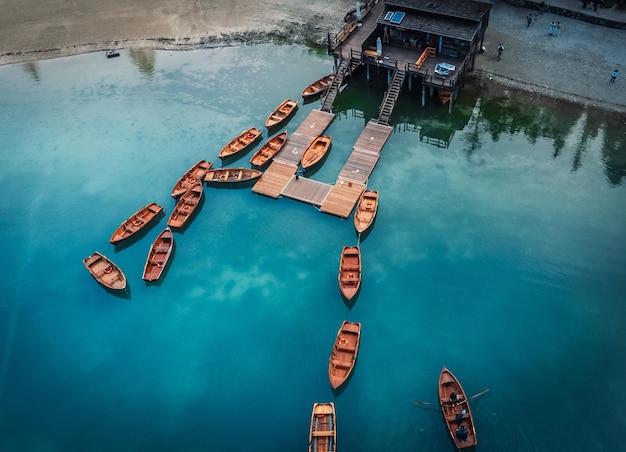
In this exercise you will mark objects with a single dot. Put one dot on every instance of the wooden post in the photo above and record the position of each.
(368, 72)
(423, 95)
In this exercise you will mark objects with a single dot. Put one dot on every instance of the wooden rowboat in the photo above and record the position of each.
(350, 271)
(345, 350)
(186, 205)
(159, 254)
(190, 178)
(318, 87)
(323, 431)
(231, 175)
(366, 211)
(242, 142)
(456, 410)
(281, 114)
(269, 149)
(136, 222)
(315, 151)
(105, 271)
(444, 95)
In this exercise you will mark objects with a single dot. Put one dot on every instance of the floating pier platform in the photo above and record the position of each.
(280, 178)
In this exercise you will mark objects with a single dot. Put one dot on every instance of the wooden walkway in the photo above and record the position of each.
(286, 163)
(280, 177)
(353, 177)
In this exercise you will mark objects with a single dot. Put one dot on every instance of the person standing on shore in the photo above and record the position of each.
(529, 19)
(552, 31)
(614, 76)
(500, 50)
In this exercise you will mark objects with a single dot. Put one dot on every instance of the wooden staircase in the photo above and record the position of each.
(391, 96)
(333, 90)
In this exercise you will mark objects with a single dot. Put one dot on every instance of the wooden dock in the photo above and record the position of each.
(280, 178)
(285, 164)
(352, 179)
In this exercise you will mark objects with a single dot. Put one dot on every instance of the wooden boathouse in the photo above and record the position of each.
(433, 42)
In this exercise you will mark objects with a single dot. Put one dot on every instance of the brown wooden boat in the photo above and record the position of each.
(315, 151)
(105, 271)
(269, 149)
(195, 174)
(186, 205)
(318, 87)
(136, 222)
(231, 175)
(281, 114)
(366, 211)
(444, 95)
(456, 410)
(345, 350)
(350, 271)
(242, 142)
(158, 256)
(323, 431)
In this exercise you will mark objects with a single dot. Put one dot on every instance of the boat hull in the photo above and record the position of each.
(231, 175)
(241, 143)
(185, 207)
(267, 152)
(281, 114)
(323, 429)
(315, 152)
(366, 210)
(318, 87)
(136, 222)
(345, 350)
(350, 269)
(196, 173)
(105, 271)
(457, 414)
(158, 256)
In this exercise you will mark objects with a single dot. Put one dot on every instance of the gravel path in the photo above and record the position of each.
(576, 65)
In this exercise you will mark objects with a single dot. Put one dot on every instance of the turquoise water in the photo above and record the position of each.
(499, 251)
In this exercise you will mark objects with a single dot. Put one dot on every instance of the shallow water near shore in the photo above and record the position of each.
(499, 251)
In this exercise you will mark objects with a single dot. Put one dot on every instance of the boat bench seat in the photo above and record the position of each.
(344, 364)
(346, 348)
(349, 268)
(349, 280)
(324, 433)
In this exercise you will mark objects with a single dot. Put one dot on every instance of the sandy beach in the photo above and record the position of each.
(575, 65)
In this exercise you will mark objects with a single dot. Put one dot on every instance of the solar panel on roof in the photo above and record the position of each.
(389, 15)
(397, 17)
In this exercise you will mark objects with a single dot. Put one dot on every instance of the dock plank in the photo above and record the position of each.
(306, 190)
(373, 137)
(274, 179)
(339, 199)
(342, 198)
(315, 123)
(294, 148)
(359, 166)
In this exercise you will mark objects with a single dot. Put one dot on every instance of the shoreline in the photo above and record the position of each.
(571, 67)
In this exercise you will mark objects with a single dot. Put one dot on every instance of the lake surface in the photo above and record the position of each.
(499, 251)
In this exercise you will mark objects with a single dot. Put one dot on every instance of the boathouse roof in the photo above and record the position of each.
(457, 19)
(462, 9)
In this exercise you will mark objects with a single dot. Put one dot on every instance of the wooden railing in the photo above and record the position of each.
(428, 52)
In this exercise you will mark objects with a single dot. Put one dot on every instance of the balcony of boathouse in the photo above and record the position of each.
(434, 42)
